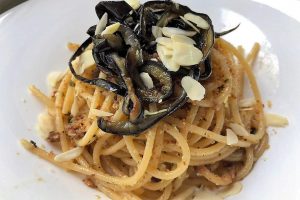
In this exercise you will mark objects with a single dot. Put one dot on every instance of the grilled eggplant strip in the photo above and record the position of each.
(142, 124)
(125, 53)
(97, 81)
(163, 78)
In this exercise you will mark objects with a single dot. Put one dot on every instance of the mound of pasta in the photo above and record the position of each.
(214, 142)
(187, 124)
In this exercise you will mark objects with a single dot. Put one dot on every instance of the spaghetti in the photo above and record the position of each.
(183, 151)
(151, 137)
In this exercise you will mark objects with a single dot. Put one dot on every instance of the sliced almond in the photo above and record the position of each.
(101, 24)
(54, 77)
(86, 60)
(238, 129)
(111, 29)
(226, 101)
(135, 4)
(190, 24)
(100, 113)
(90, 47)
(147, 80)
(45, 124)
(199, 21)
(75, 63)
(170, 64)
(276, 120)
(167, 42)
(166, 51)
(186, 54)
(248, 102)
(182, 39)
(169, 31)
(231, 137)
(156, 31)
(195, 91)
(69, 155)
(146, 112)
(247, 109)
(167, 61)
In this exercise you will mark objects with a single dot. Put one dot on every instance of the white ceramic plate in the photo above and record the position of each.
(33, 39)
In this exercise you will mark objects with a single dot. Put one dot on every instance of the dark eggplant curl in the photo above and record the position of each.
(123, 55)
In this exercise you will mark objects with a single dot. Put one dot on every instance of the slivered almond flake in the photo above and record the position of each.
(75, 64)
(54, 77)
(101, 24)
(167, 42)
(169, 31)
(90, 47)
(100, 113)
(231, 137)
(86, 60)
(170, 64)
(247, 109)
(45, 124)
(156, 31)
(276, 120)
(146, 112)
(199, 21)
(182, 39)
(226, 101)
(111, 29)
(195, 91)
(186, 54)
(166, 51)
(135, 4)
(189, 23)
(167, 60)
(69, 155)
(238, 129)
(147, 80)
(248, 102)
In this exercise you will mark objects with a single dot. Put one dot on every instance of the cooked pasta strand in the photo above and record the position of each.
(169, 160)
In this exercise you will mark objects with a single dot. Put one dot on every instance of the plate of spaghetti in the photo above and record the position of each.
(157, 100)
